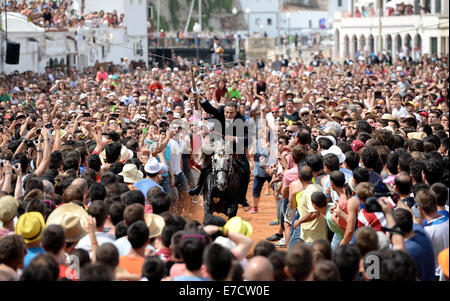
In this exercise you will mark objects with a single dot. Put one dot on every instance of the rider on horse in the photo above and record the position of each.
(234, 129)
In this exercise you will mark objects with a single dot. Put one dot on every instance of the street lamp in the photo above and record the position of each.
(196, 28)
(288, 15)
(248, 11)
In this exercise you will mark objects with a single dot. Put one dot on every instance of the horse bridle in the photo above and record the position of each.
(216, 171)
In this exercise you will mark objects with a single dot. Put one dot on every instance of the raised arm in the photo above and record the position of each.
(353, 208)
(43, 166)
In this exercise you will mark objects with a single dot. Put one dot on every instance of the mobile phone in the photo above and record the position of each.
(316, 111)
(38, 131)
(415, 211)
(115, 115)
(377, 94)
(143, 104)
(86, 114)
(48, 125)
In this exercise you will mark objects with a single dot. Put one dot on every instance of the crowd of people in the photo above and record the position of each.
(97, 168)
(62, 15)
(400, 9)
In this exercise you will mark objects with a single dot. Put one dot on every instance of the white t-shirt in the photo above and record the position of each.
(102, 237)
(437, 230)
(402, 112)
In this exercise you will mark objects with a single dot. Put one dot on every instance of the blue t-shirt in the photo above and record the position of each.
(374, 177)
(144, 185)
(190, 278)
(420, 248)
(31, 253)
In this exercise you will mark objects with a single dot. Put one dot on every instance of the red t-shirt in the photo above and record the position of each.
(154, 86)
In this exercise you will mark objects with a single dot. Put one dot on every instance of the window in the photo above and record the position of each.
(434, 45)
(339, 3)
(310, 23)
(269, 22)
(257, 21)
(437, 6)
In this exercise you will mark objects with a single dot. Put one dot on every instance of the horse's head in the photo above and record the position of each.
(221, 168)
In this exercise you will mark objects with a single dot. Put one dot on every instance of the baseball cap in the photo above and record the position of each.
(357, 145)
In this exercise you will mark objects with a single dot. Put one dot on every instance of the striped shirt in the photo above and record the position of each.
(374, 220)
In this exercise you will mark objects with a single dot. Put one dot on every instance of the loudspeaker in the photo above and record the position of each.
(12, 53)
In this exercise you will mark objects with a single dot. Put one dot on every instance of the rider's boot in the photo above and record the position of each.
(196, 190)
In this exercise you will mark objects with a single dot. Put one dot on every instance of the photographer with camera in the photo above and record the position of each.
(369, 214)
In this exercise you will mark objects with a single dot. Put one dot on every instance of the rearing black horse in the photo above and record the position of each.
(220, 193)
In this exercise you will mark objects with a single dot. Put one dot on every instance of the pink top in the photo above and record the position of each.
(178, 269)
(4, 232)
(290, 176)
(343, 202)
(148, 209)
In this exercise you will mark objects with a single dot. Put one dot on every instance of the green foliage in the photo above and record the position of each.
(163, 24)
(228, 5)
(174, 6)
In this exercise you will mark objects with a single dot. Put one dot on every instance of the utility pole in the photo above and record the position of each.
(380, 38)
(158, 8)
(200, 14)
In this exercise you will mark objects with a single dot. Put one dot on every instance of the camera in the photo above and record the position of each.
(30, 143)
(86, 114)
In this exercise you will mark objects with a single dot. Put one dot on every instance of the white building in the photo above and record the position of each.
(80, 49)
(418, 32)
(281, 17)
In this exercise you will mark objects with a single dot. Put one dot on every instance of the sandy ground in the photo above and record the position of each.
(260, 221)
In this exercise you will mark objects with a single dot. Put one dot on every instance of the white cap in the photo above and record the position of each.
(84, 95)
(328, 137)
(336, 150)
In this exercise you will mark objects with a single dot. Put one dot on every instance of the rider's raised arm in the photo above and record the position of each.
(206, 105)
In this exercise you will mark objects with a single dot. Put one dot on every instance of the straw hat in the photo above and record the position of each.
(131, 174)
(125, 154)
(417, 135)
(238, 225)
(30, 226)
(155, 224)
(8, 208)
(387, 117)
(336, 115)
(69, 216)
